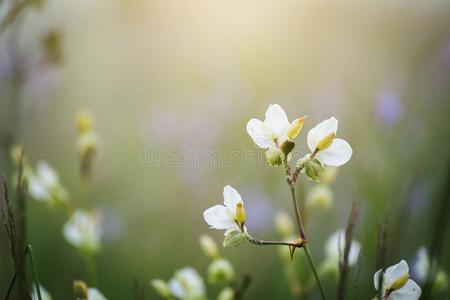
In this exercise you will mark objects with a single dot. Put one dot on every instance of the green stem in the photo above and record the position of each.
(91, 268)
(301, 231)
(35, 274)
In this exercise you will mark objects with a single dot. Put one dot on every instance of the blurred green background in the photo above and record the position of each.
(185, 77)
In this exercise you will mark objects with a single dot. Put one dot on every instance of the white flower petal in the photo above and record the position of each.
(410, 291)
(276, 120)
(219, 217)
(321, 130)
(376, 278)
(83, 230)
(335, 247)
(394, 272)
(37, 189)
(231, 198)
(94, 294)
(187, 284)
(259, 133)
(46, 173)
(337, 154)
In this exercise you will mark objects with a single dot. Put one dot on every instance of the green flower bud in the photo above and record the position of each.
(274, 157)
(208, 246)
(220, 270)
(287, 147)
(161, 288)
(320, 196)
(234, 238)
(80, 289)
(440, 282)
(226, 294)
(284, 224)
(313, 169)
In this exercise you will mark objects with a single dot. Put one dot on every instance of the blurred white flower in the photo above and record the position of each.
(325, 147)
(334, 250)
(44, 184)
(320, 196)
(187, 285)
(226, 294)
(275, 129)
(208, 246)
(220, 270)
(396, 283)
(44, 294)
(230, 216)
(161, 288)
(83, 230)
(94, 294)
(421, 264)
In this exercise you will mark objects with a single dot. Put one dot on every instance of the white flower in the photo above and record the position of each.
(335, 246)
(396, 283)
(44, 184)
(325, 147)
(226, 216)
(84, 230)
(274, 130)
(187, 284)
(422, 264)
(94, 294)
(44, 294)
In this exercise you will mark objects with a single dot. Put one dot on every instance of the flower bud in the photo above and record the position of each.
(296, 127)
(326, 142)
(240, 214)
(226, 294)
(320, 196)
(287, 147)
(161, 288)
(208, 246)
(313, 169)
(441, 281)
(329, 174)
(399, 282)
(284, 224)
(274, 157)
(84, 121)
(234, 238)
(220, 270)
(80, 289)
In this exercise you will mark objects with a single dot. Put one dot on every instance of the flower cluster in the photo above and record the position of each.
(276, 135)
(187, 283)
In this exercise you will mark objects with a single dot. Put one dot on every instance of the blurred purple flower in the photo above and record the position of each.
(259, 211)
(419, 197)
(389, 107)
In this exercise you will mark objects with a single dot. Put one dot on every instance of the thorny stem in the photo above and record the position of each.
(267, 243)
(305, 247)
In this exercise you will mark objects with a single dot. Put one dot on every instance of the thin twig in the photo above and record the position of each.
(240, 291)
(343, 265)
